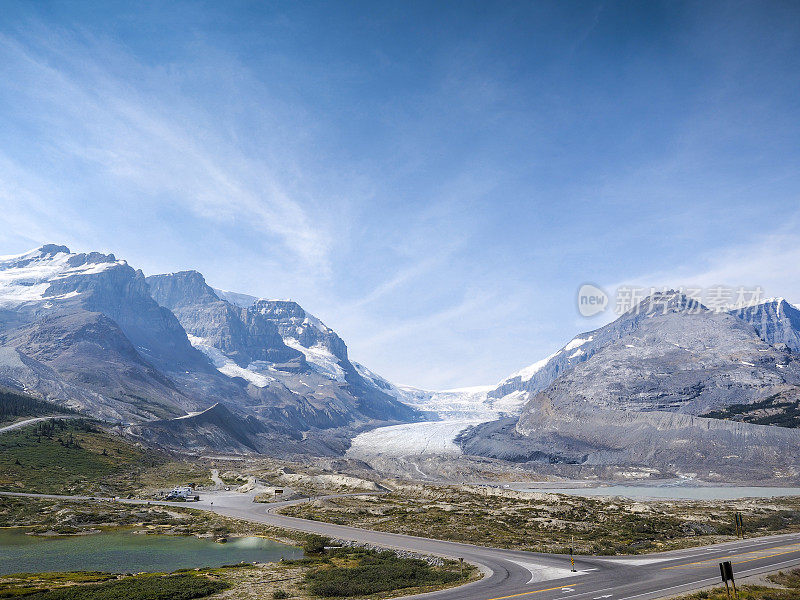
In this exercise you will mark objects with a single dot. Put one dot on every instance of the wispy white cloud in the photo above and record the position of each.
(33, 210)
(767, 261)
(402, 277)
(408, 328)
(98, 108)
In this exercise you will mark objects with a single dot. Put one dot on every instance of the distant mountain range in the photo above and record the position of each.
(175, 362)
(90, 332)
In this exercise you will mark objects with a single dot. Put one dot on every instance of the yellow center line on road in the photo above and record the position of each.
(704, 563)
(561, 587)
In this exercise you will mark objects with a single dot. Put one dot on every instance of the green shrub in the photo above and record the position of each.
(280, 594)
(375, 573)
(315, 544)
(146, 587)
(63, 456)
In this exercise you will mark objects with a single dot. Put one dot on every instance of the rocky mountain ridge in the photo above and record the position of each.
(776, 321)
(275, 342)
(91, 332)
(637, 395)
(182, 364)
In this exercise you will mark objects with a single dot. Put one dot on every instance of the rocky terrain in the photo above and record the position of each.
(276, 345)
(637, 398)
(176, 364)
(82, 330)
(775, 321)
(544, 522)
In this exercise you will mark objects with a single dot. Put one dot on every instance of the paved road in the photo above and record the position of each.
(27, 422)
(514, 574)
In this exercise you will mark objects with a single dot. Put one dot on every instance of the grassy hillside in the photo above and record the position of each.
(63, 457)
(77, 456)
(15, 406)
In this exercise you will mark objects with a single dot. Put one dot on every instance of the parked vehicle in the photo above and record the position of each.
(183, 493)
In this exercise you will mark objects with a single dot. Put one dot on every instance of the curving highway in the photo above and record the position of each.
(26, 422)
(514, 574)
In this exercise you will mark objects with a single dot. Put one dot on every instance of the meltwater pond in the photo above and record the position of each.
(127, 552)
(669, 492)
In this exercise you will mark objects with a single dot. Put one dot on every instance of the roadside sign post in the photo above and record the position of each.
(739, 525)
(461, 567)
(571, 553)
(724, 575)
(726, 572)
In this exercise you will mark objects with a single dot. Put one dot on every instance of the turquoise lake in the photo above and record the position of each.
(127, 552)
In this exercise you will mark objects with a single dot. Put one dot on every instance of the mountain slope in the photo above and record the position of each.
(671, 360)
(277, 343)
(240, 334)
(682, 362)
(89, 350)
(214, 428)
(775, 320)
(514, 391)
(84, 330)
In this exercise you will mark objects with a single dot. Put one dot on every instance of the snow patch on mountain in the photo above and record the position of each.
(319, 358)
(528, 372)
(235, 298)
(316, 323)
(510, 404)
(228, 367)
(577, 342)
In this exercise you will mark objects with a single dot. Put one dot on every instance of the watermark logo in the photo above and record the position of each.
(591, 300)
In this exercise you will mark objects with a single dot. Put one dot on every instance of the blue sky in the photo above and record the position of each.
(434, 180)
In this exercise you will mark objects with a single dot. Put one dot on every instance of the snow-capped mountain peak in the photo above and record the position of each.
(300, 330)
(30, 277)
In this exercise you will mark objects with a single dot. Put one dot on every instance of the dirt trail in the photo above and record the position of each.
(216, 478)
